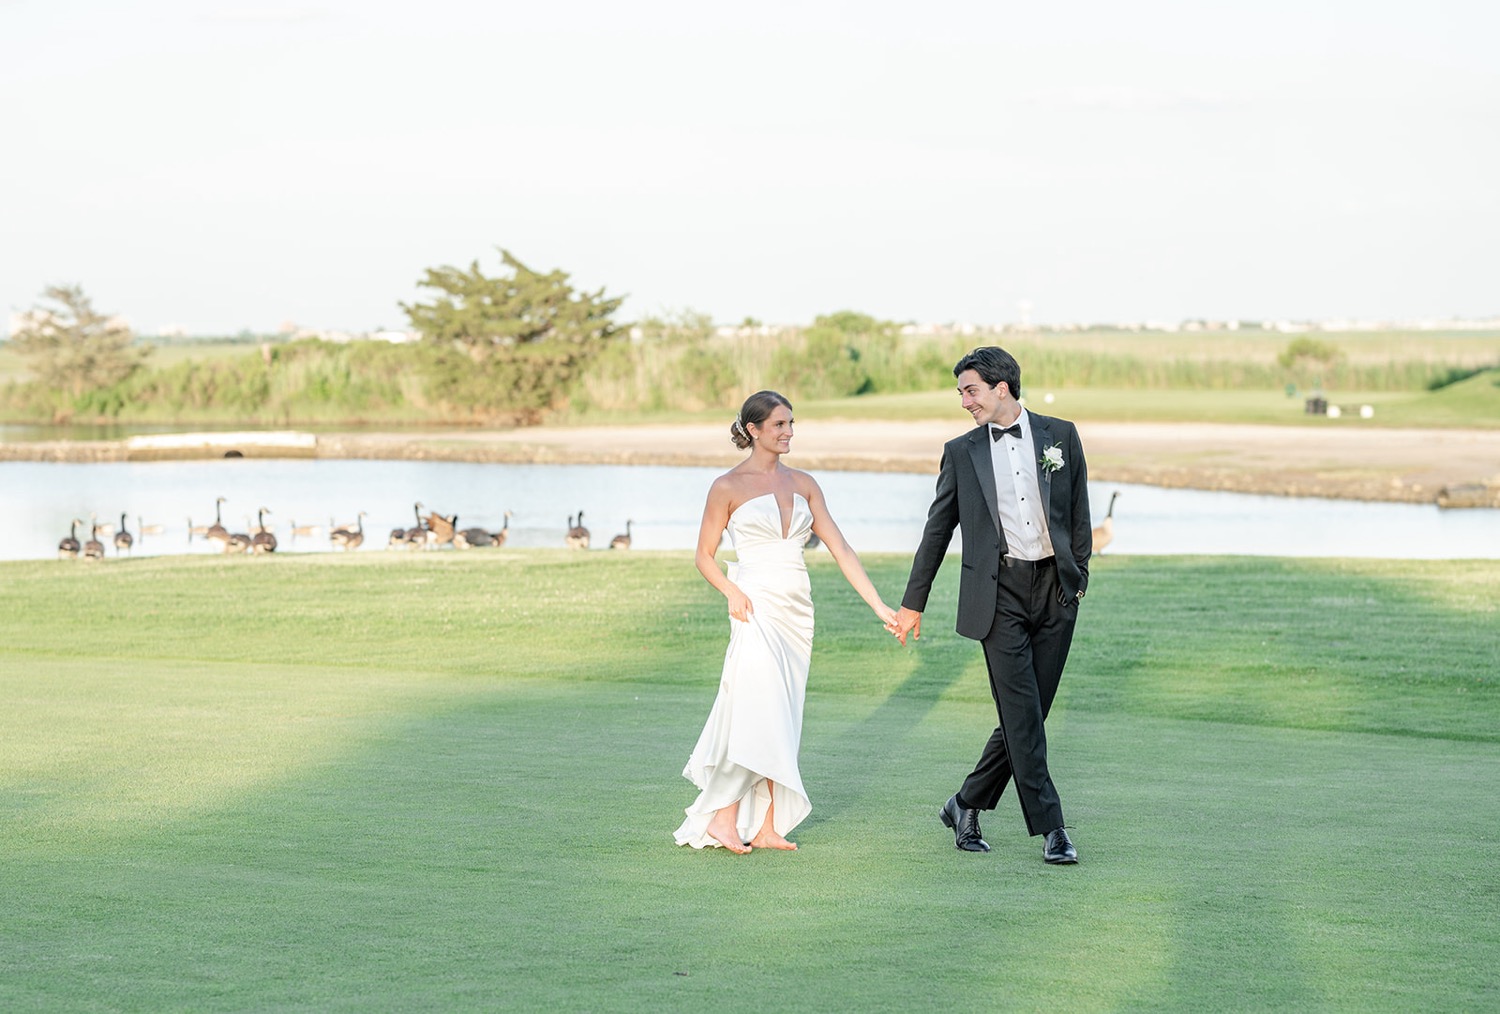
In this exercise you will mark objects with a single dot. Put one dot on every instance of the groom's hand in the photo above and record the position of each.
(908, 621)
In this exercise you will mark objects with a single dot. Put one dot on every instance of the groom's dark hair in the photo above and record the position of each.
(993, 364)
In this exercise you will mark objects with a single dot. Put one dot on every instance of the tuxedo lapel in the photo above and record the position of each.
(984, 471)
(1041, 439)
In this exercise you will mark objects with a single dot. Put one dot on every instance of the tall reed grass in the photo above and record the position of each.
(720, 371)
(687, 367)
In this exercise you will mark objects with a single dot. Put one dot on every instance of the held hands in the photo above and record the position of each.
(887, 616)
(908, 621)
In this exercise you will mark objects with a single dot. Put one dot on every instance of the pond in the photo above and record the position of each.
(878, 512)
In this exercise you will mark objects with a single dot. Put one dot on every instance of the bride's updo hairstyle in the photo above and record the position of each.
(756, 410)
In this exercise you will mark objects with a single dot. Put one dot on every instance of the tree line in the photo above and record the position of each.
(501, 348)
(493, 348)
(520, 345)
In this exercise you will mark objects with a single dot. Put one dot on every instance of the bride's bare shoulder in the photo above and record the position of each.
(731, 480)
(730, 490)
(804, 483)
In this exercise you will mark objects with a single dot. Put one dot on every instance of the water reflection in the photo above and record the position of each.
(879, 512)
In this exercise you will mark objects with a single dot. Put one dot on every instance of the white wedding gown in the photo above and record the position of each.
(755, 728)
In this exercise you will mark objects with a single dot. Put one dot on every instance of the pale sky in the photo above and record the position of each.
(223, 166)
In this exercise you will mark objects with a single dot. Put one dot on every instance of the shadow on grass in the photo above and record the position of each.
(868, 751)
(1327, 646)
(1333, 645)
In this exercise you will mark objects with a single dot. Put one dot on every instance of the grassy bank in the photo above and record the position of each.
(1470, 403)
(448, 782)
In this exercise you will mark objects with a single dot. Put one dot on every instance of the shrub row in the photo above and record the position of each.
(667, 368)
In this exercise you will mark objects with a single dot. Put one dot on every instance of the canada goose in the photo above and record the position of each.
(263, 541)
(123, 539)
(145, 529)
(350, 539)
(503, 533)
(93, 549)
(196, 529)
(440, 529)
(304, 530)
(217, 531)
(68, 548)
(622, 541)
(469, 538)
(238, 542)
(417, 536)
(100, 527)
(578, 536)
(1104, 531)
(397, 539)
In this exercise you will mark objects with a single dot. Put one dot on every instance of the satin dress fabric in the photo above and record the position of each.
(754, 731)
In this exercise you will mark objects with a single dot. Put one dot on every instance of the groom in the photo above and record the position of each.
(1017, 489)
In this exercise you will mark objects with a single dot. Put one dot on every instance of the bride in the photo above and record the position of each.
(745, 762)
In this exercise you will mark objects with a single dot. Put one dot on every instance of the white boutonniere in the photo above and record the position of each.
(1052, 459)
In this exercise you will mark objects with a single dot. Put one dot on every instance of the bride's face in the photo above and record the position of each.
(775, 434)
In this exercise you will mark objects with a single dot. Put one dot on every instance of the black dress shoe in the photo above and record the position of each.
(965, 824)
(1058, 848)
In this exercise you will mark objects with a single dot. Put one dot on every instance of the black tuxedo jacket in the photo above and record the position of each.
(966, 499)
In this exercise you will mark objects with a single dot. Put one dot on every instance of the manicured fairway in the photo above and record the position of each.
(448, 781)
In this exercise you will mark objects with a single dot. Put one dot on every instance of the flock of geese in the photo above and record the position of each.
(431, 531)
(578, 537)
(93, 548)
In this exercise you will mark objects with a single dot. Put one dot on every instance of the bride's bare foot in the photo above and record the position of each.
(768, 839)
(729, 839)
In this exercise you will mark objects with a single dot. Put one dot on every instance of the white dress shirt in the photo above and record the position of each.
(1023, 513)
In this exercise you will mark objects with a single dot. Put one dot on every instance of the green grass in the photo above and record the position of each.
(14, 367)
(449, 782)
(1473, 403)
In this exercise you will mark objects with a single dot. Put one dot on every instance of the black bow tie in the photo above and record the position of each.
(1014, 429)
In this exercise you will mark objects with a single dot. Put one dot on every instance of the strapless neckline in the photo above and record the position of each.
(785, 530)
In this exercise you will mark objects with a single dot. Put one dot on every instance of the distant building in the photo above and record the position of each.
(344, 337)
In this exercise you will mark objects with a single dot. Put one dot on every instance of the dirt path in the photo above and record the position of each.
(1458, 467)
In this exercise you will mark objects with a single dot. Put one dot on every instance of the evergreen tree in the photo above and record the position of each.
(525, 307)
(72, 347)
(512, 346)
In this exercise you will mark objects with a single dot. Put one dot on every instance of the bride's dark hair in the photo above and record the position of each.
(756, 410)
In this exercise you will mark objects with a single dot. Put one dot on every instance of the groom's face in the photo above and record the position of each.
(985, 403)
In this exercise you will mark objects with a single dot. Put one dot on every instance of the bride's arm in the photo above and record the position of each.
(844, 555)
(710, 531)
